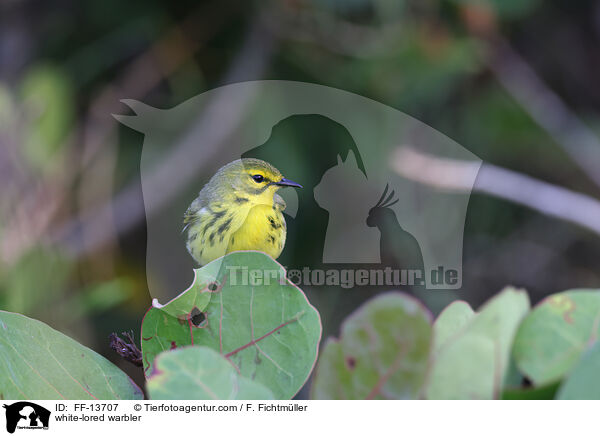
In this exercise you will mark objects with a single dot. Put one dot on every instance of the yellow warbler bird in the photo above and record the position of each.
(238, 209)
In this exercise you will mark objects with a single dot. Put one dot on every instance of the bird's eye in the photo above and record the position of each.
(258, 178)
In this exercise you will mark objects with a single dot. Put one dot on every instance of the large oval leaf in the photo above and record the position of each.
(473, 363)
(37, 362)
(554, 336)
(200, 373)
(382, 352)
(265, 327)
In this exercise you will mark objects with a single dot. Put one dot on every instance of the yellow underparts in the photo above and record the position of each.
(260, 227)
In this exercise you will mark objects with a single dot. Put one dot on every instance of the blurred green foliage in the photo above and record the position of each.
(64, 67)
(47, 96)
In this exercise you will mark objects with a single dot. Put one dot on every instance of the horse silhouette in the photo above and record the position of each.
(398, 247)
(30, 411)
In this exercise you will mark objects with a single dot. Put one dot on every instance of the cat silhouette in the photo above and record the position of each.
(346, 193)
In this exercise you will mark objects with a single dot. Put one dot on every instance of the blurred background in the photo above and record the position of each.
(513, 81)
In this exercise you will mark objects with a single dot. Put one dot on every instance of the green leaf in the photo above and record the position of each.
(200, 373)
(381, 354)
(268, 331)
(473, 363)
(583, 382)
(554, 336)
(37, 362)
(451, 321)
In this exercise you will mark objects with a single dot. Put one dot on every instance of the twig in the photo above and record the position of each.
(546, 108)
(126, 349)
(455, 175)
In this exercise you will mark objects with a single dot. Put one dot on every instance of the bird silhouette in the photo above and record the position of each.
(399, 249)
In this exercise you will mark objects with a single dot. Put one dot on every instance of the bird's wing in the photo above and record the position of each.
(192, 214)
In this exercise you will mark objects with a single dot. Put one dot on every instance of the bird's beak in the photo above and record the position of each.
(286, 182)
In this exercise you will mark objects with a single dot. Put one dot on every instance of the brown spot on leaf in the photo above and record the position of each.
(197, 318)
(215, 286)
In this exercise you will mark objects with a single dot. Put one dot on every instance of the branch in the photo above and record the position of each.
(546, 108)
(454, 175)
(126, 348)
